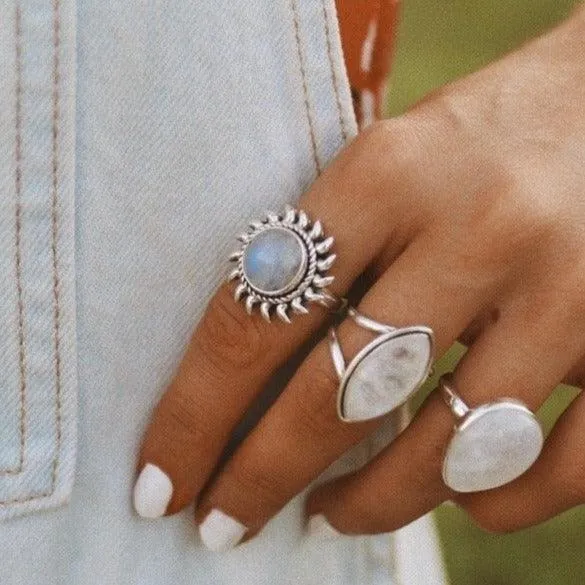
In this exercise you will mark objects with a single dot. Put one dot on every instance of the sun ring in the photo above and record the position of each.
(283, 264)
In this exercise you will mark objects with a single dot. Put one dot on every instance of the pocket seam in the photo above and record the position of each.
(56, 98)
(334, 78)
(312, 133)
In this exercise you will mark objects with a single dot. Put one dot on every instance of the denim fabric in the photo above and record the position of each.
(190, 117)
(37, 304)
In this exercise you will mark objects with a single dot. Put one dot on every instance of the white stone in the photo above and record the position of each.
(275, 261)
(378, 381)
(493, 446)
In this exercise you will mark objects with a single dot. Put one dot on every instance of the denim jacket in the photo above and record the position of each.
(136, 139)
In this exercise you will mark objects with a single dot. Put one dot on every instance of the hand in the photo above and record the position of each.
(469, 215)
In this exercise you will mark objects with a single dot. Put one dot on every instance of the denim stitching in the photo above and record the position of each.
(17, 247)
(334, 78)
(54, 242)
(55, 223)
(295, 14)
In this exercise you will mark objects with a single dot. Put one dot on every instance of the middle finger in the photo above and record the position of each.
(301, 435)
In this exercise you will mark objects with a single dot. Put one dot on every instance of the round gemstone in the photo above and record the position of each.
(275, 261)
(497, 444)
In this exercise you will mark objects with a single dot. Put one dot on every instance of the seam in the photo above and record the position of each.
(295, 14)
(54, 241)
(18, 241)
(55, 225)
(334, 78)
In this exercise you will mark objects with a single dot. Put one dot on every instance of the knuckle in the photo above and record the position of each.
(369, 518)
(506, 223)
(401, 139)
(183, 426)
(386, 159)
(534, 219)
(262, 486)
(316, 400)
(490, 520)
(493, 518)
(228, 336)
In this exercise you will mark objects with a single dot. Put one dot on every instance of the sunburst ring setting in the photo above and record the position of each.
(283, 264)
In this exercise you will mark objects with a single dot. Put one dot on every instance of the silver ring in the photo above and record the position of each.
(385, 373)
(491, 445)
(283, 264)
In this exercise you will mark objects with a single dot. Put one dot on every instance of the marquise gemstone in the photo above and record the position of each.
(275, 261)
(387, 376)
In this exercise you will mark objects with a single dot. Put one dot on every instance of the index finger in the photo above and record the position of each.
(232, 355)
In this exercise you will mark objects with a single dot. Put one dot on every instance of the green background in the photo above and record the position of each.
(440, 40)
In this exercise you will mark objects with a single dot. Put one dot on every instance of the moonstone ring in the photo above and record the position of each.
(283, 264)
(491, 445)
(385, 373)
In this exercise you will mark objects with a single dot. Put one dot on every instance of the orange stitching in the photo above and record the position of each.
(334, 79)
(293, 6)
(18, 255)
(54, 240)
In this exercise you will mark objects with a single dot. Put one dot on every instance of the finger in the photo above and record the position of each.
(302, 435)
(523, 356)
(232, 355)
(401, 484)
(555, 484)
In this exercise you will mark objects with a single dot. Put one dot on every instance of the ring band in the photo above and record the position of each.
(385, 373)
(283, 264)
(491, 445)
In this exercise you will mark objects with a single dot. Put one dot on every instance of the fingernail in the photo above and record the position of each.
(152, 492)
(220, 532)
(319, 527)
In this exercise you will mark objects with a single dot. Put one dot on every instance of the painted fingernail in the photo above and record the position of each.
(153, 491)
(319, 527)
(220, 532)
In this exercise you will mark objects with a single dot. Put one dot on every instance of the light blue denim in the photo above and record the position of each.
(136, 139)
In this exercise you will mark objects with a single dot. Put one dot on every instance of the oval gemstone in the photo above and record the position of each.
(275, 261)
(497, 444)
(380, 380)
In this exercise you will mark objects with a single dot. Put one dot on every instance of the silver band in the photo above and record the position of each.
(455, 403)
(385, 373)
(491, 445)
(332, 302)
(368, 322)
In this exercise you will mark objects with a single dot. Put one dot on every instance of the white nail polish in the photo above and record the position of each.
(220, 532)
(152, 492)
(318, 527)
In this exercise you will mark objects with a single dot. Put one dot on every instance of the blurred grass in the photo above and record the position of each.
(438, 41)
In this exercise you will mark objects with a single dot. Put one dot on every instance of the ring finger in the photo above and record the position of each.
(521, 356)
(301, 434)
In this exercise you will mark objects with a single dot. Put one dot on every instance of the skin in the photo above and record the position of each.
(468, 215)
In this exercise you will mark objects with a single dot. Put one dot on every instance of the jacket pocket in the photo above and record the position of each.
(37, 304)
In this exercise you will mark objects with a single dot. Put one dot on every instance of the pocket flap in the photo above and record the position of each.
(37, 303)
